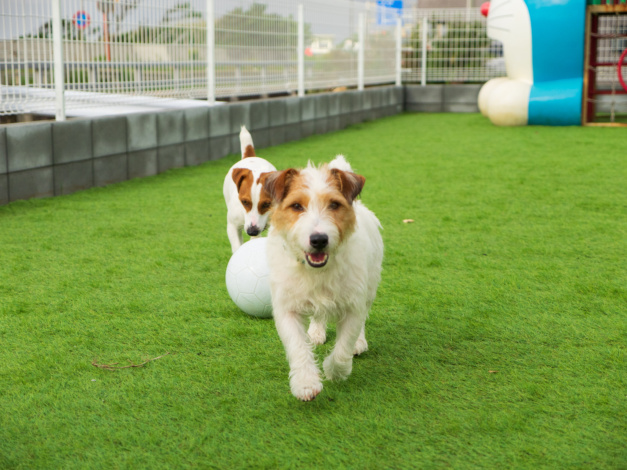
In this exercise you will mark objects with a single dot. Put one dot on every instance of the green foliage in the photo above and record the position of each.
(497, 340)
(454, 44)
(69, 31)
(252, 27)
(174, 28)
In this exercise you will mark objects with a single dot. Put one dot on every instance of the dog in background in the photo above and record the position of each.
(247, 204)
(324, 253)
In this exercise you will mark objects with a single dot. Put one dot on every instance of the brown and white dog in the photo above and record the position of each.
(324, 253)
(248, 205)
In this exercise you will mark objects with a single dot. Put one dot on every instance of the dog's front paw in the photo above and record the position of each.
(305, 388)
(317, 333)
(361, 346)
(335, 370)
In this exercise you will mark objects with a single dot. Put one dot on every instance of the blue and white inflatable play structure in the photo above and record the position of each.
(543, 47)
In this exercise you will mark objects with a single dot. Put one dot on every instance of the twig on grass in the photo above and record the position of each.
(115, 366)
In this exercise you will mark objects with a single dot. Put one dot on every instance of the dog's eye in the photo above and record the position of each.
(265, 205)
(246, 203)
(297, 207)
(334, 205)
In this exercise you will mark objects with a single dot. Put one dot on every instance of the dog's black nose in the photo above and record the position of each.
(253, 231)
(319, 240)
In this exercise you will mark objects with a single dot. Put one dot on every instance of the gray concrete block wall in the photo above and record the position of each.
(109, 136)
(29, 146)
(442, 98)
(461, 98)
(72, 177)
(110, 169)
(57, 158)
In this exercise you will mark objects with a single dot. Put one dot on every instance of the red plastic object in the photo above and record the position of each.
(620, 69)
(485, 8)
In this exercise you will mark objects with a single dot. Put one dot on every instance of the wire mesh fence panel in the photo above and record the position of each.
(134, 47)
(331, 39)
(256, 48)
(456, 49)
(121, 52)
(25, 58)
(380, 45)
(113, 50)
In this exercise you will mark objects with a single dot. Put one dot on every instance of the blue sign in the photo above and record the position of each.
(388, 11)
(81, 19)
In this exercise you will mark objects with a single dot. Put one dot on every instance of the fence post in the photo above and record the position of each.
(423, 62)
(361, 34)
(57, 50)
(211, 56)
(137, 75)
(300, 52)
(399, 45)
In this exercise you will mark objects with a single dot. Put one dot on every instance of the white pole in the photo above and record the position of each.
(399, 45)
(360, 52)
(57, 49)
(211, 57)
(423, 64)
(300, 53)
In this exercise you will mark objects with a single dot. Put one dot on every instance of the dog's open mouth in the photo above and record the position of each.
(317, 259)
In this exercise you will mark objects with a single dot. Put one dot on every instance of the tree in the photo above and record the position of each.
(69, 31)
(257, 28)
(453, 48)
(174, 28)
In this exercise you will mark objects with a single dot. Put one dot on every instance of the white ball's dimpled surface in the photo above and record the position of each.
(247, 279)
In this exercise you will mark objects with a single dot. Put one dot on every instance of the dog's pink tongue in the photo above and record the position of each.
(317, 257)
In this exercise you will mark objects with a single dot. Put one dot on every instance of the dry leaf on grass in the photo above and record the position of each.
(408, 221)
(115, 366)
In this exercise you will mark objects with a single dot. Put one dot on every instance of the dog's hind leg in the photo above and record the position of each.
(317, 331)
(304, 374)
(235, 236)
(339, 364)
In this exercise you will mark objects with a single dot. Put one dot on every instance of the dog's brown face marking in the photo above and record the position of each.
(243, 179)
(293, 199)
(340, 210)
(265, 200)
(349, 184)
(333, 199)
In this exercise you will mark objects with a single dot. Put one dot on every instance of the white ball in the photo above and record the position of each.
(248, 278)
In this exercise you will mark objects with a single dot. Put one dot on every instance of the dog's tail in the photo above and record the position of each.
(246, 143)
(340, 163)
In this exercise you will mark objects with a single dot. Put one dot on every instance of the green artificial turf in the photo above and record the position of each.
(497, 340)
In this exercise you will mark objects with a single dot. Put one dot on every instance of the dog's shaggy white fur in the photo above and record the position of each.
(325, 253)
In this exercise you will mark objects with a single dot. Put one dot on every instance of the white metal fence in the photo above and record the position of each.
(121, 51)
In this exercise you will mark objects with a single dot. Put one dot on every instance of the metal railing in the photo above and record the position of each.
(105, 52)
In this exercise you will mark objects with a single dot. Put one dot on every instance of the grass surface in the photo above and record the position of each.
(497, 340)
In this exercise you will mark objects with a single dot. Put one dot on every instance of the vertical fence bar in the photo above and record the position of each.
(300, 53)
(57, 45)
(399, 45)
(360, 52)
(423, 62)
(211, 56)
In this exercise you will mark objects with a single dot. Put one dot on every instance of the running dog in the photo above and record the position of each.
(324, 252)
(248, 205)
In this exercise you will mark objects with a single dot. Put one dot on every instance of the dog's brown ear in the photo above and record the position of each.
(350, 184)
(239, 176)
(276, 183)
